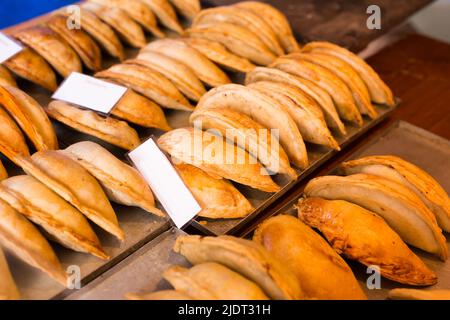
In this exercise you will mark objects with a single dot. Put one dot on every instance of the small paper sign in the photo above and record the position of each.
(8, 48)
(90, 92)
(165, 182)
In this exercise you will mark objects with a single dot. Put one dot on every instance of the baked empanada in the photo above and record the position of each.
(308, 255)
(317, 93)
(166, 14)
(213, 281)
(218, 198)
(216, 156)
(134, 108)
(302, 108)
(30, 116)
(336, 88)
(246, 257)
(276, 20)
(52, 48)
(187, 8)
(362, 235)
(415, 294)
(263, 109)
(24, 240)
(73, 183)
(122, 183)
(182, 76)
(12, 142)
(29, 65)
(177, 49)
(3, 173)
(159, 295)
(80, 42)
(247, 134)
(217, 53)
(409, 175)
(120, 21)
(139, 11)
(111, 130)
(6, 78)
(8, 288)
(45, 208)
(400, 207)
(379, 91)
(149, 83)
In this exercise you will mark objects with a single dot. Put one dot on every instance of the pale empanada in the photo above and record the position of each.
(244, 18)
(149, 83)
(416, 294)
(6, 78)
(303, 109)
(237, 39)
(314, 91)
(52, 48)
(213, 281)
(29, 65)
(182, 76)
(308, 255)
(73, 183)
(324, 78)
(111, 130)
(81, 43)
(12, 142)
(137, 10)
(218, 198)
(30, 116)
(120, 21)
(8, 288)
(276, 20)
(217, 53)
(122, 183)
(247, 134)
(246, 257)
(177, 49)
(23, 239)
(263, 109)
(409, 175)
(362, 235)
(159, 295)
(45, 208)
(3, 172)
(134, 108)
(213, 154)
(187, 8)
(166, 14)
(402, 209)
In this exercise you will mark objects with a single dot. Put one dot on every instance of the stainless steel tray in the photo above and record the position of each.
(428, 151)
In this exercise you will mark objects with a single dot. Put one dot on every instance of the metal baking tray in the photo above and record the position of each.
(426, 150)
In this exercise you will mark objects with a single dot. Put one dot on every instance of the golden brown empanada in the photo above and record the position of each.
(81, 43)
(30, 116)
(246, 257)
(120, 21)
(409, 175)
(362, 235)
(149, 83)
(8, 288)
(111, 130)
(159, 295)
(217, 157)
(6, 78)
(177, 49)
(122, 183)
(3, 173)
(12, 142)
(45, 208)
(52, 48)
(308, 255)
(29, 65)
(24, 240)
(218, 198)
(187, 8)
(73, 183)
(213, 281)
(166, 14)
(415, 294)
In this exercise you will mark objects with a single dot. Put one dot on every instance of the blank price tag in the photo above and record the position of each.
(89, 92)
(165, 182)
(8, 48)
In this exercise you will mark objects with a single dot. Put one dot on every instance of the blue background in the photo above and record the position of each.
(15, 11)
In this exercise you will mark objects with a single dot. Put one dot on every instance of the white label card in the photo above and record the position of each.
(8, 48)
(165, 182)
(89, 92)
